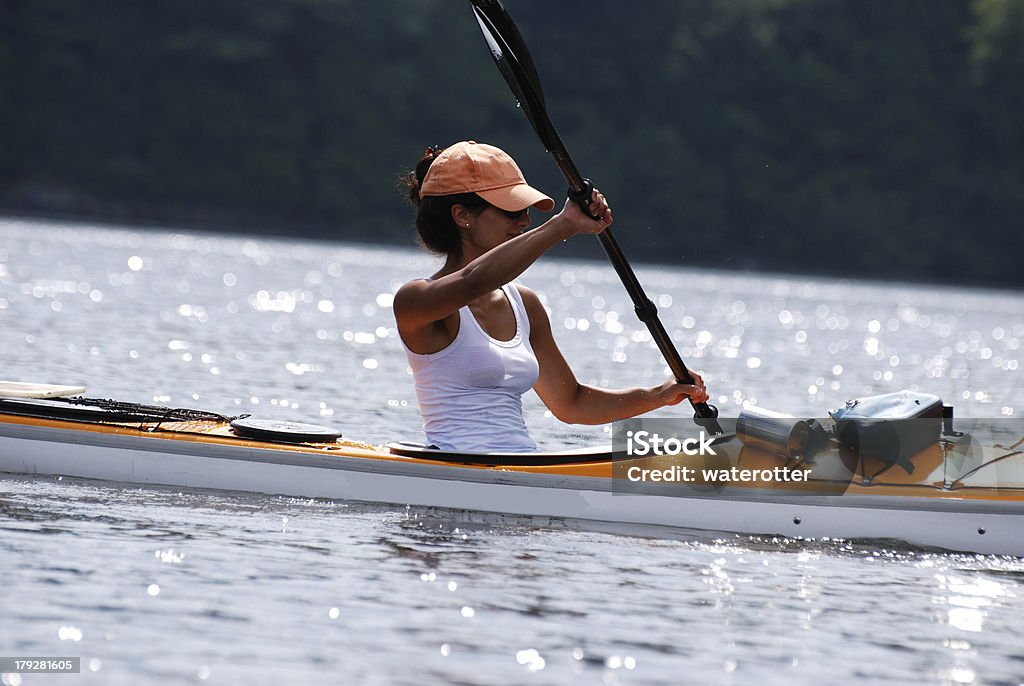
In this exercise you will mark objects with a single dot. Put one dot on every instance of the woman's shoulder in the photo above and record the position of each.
(524, 291)
(408, 288)
(532, 303)
(526, 294)
(420, 281)
(413, 287)
(411, 297)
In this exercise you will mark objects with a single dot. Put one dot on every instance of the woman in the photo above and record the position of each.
(476, 342)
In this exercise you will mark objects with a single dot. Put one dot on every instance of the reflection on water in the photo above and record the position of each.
(967, 600)
(463, 594)
(964, 604)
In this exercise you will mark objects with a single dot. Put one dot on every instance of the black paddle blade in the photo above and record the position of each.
(499, 22)
(515, 64)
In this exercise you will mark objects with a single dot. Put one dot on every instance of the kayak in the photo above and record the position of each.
(952, 494)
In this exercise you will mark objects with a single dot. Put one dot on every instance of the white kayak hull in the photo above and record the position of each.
(983, 526)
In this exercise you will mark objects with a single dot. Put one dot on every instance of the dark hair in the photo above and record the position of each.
(437, 230)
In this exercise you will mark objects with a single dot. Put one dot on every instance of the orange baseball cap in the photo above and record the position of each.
(471, 167)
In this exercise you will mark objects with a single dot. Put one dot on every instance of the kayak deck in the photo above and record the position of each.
(988, 472)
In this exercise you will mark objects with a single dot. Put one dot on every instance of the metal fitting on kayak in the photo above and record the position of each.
(779, 434)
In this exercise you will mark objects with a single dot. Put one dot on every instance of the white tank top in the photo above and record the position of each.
(470, 393)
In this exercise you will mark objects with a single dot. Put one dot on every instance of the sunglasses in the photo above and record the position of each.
(517, 214)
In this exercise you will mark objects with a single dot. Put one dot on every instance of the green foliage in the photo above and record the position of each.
(850, 137)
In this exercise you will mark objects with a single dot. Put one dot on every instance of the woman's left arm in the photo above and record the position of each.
(576, 403)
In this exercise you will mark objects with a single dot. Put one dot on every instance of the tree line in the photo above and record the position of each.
(848, 137)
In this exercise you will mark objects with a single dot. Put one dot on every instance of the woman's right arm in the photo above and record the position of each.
(420, 304)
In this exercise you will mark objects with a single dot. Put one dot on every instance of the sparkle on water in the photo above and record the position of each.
(157, 586)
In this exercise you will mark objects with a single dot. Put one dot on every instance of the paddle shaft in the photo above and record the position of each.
(646, 311)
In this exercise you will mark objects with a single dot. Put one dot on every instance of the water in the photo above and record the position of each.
(157, 586)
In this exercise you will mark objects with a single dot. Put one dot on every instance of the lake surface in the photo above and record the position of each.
(161, 586)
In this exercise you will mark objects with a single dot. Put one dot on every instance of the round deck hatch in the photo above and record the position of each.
(283, 432)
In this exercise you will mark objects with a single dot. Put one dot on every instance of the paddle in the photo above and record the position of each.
(516, 65)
